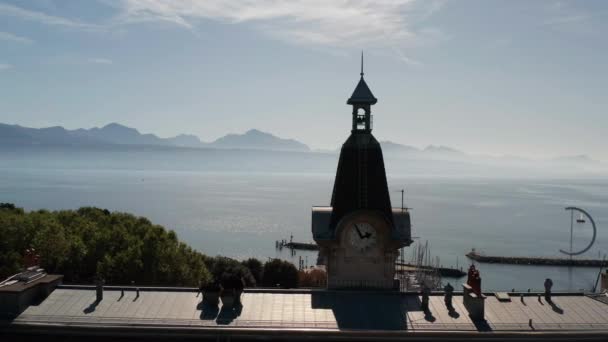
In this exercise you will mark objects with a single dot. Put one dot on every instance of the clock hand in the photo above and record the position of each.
(359, 232)
(367, 235)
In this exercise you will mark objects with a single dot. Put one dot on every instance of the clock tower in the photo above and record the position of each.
(360, 234)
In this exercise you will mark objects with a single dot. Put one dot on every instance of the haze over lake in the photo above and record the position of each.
(237, 203)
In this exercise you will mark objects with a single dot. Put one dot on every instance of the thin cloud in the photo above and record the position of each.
(9, 37)
(25, 14)
(340, 23)
(100, 61)
(569, 17)
(4, 66)
(321, 23)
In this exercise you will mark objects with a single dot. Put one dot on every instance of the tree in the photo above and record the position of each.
(223, 268)
(9, 206)
(280, 273)
(312, 278)
(256, 268)
(89, 241)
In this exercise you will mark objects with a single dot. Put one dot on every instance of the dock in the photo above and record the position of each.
(473, 255)
(305, 246)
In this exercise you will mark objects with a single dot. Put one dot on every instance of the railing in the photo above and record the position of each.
(413, 325)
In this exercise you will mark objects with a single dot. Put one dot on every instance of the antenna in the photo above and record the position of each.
(362, 64)
(403, 207)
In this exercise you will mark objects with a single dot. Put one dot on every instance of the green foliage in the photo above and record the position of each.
(256, 268)
(229, 272)
(11, 236)
(280, 273)
(84, 243)
(9, 206)
(89, 241)
(312, 278)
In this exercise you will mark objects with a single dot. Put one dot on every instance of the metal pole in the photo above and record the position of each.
(571, 230)
(599, 274)
(402, 249)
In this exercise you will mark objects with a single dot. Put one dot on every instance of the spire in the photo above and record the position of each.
(362, 94)
(361, 63)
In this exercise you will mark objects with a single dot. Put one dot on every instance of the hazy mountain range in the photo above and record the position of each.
(117, 134)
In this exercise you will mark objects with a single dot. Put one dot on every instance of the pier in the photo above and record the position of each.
(305, 246)
(473, 255)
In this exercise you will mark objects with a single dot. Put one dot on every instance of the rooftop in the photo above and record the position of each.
(362, 94)
(310, 310)
(19, 286)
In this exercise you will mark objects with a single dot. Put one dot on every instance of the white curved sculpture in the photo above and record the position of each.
(592, 239)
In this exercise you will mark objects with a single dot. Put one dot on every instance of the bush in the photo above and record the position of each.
(226, 271)
(256, 268)
(9, 206)
(312, 278)
(280, 273)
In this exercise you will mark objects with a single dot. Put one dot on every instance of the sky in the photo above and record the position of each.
(514, 77)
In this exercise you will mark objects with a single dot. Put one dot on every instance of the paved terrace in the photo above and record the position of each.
(310, 310)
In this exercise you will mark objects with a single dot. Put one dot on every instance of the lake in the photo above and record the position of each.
(226, 203)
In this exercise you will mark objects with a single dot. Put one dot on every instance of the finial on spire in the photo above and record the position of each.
(361, 63)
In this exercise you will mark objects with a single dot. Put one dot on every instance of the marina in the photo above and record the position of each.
(442, 271)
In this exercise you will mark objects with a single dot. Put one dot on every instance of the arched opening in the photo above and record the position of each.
(360, 118)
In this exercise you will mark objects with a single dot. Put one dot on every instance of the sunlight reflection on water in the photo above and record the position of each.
(242, 215)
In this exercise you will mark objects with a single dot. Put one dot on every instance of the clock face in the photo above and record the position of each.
(362, 236)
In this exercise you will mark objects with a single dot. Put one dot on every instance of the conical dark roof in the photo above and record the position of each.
(362, 94)
(360, 182)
